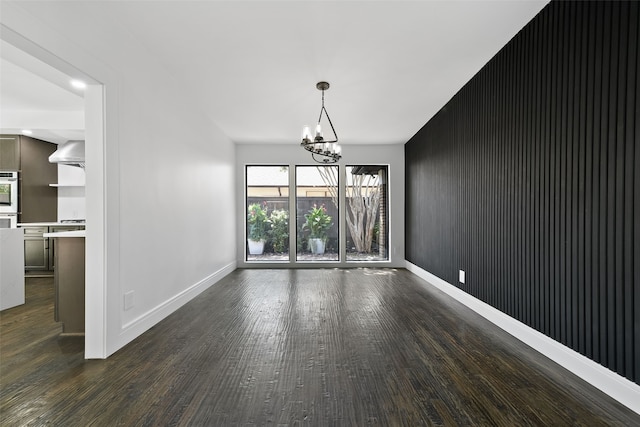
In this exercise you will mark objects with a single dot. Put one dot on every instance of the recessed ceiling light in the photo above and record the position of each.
(26, 132)
(78, 84)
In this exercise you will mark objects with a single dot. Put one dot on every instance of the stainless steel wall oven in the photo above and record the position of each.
(8, 199)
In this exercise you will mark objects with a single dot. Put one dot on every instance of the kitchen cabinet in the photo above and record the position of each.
(36, 248)
(9, 152)
(38, 201)
(52, 242)
(69, 284)
(39, 251)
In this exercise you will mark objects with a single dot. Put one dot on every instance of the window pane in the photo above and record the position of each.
(366, 213)
(317, 213)
(267, 221)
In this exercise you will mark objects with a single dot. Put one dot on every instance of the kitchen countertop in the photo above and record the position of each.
(74, 233)
(50, 224)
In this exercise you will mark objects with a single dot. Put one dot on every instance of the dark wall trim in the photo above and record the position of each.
(529, 181)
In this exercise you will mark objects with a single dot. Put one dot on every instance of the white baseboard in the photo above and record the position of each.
(142, 323)
(616, 386)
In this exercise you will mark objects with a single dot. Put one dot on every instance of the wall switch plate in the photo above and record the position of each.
(128, 300)
(461, 276)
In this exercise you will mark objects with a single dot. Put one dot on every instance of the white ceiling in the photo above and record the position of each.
(37, 97)
(254, 65)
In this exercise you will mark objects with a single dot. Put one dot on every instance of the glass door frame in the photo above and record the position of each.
(342, 228)
(336, 221)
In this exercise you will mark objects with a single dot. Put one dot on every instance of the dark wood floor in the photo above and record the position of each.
(294, 347)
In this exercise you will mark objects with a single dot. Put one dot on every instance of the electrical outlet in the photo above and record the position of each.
(128, 300)
(461, 276)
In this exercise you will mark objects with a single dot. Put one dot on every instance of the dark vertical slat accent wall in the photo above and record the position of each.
(529, 181)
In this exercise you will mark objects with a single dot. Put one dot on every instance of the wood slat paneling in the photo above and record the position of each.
(528, 180)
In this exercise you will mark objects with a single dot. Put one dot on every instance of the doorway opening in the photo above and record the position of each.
(95, 294)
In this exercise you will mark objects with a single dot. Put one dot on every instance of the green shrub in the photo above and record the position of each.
(279, 232)
(258, 222)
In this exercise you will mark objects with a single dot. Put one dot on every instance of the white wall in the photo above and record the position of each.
(71, 193)
(292, 154)
(155, 226)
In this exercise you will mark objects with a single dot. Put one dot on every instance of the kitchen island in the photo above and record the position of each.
(11, 271)
(39, 251)
(69, 280)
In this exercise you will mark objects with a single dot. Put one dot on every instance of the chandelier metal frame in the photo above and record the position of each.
(322, 151)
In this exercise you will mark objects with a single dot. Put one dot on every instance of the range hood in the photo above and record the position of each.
(69, 153)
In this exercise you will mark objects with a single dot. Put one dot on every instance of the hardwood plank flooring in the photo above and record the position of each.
(330, 347)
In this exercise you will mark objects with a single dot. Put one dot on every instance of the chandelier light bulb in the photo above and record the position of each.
(306, 133)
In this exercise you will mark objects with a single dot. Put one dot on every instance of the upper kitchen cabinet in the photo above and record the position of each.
(9, 152)
(38, 200)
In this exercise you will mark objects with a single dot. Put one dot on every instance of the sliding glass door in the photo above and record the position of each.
(320, 229)
(317, 213)
(267, 222)
(366, 213)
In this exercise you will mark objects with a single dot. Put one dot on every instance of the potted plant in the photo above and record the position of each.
(279, 232)
(258, 227)
(318, 223)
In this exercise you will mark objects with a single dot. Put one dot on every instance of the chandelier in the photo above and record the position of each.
(322, 150)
